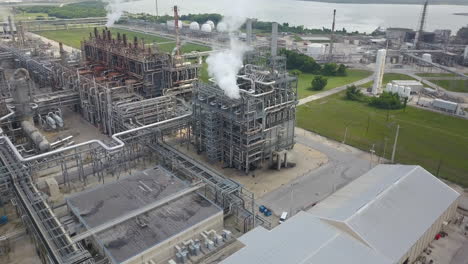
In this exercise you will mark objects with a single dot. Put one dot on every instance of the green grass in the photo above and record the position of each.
(427, 74)
(305, 80)
(426, 138)
(388, 77)
(459, 86)
(73, 38)
(29, 16)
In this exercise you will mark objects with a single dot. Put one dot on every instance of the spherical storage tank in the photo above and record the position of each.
(206, 27)
(316, 49)
(222, 27)
(211, 23)
(171, 24)
(194, 26)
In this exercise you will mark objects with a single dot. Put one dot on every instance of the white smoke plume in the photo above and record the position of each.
(115, 10)
(223, 66)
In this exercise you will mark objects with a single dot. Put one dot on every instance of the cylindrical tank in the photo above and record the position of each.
(194, 26)
(401, 90)
(51, 122)
(316, 49)
(211, 23)
(394, 88)
(57, 119)
(206, 28)
(427, 57)
(36, 137)
(407, 91)
(222, 27)
(356, 42)
(388, 88)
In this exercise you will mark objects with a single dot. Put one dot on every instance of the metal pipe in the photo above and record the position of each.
(120, 144)
(8, 115)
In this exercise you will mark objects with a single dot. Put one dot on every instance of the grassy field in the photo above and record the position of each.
(460, 86)
(29, 16)
(305, 79)
(435, 141)
(73, 37)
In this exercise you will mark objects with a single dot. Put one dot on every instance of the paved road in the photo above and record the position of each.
(345, 164)
(333, 91)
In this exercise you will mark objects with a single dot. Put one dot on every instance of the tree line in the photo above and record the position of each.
(77, 10)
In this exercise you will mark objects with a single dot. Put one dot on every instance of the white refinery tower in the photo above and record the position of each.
(379, 71)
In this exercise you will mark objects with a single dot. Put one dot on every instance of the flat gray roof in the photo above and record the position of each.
(99, 205)
(136, 235)
(165, 218)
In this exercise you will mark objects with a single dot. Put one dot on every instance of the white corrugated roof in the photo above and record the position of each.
(303, 239)
(376, 218)
(390, 207)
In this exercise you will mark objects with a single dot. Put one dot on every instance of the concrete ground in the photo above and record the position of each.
(452, 249)
(345, 164)
(75, 125)
(265, 180)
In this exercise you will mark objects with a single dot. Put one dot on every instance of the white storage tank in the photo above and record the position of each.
(427, 57)
(206, 28)
(407, 92)
(315, 49)
(211, 23)
(171, 24)
(401, 90)
(356, 42)
(194, 26)
(394, 88)
(222, 27)
(388, 88)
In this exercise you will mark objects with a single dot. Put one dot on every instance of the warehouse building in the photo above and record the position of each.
(388, 215)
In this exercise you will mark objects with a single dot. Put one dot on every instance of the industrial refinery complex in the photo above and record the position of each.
(120, 151)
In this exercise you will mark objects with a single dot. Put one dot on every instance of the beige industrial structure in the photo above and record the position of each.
(388, 215)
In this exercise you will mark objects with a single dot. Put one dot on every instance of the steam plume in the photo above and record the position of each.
(223, 66)
(114, 11)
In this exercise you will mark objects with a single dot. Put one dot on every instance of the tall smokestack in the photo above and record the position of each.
(104, 34)
(274, 39)
(124, 39)
(249, 31)
(109, 35)
(176, 21)
(135, 42)
(332, 37)
(119, 39)
(96, 32)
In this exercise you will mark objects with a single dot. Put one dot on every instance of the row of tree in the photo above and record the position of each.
(77, 10)
(296, 61)
(388, 101)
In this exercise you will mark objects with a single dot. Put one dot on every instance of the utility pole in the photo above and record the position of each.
(332, 36)
(345, 134)
(157, 9)
(395, 144)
